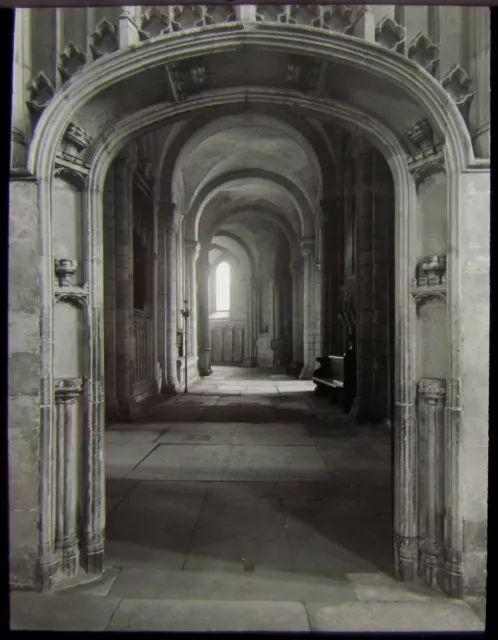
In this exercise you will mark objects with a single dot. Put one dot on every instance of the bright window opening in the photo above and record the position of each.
(223, 287)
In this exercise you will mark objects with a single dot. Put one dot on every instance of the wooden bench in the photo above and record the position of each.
(329, 377)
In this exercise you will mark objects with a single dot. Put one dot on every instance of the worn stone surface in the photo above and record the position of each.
(156, 615)
(393, 616)
(29, 611)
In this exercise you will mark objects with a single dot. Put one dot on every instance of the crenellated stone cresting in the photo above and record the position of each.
(134, 25)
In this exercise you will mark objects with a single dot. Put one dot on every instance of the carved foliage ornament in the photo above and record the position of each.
(423, 52)
(42, 91)
(421, 136)
(72, 59)
(390, 34)
(72, 176)
(104, 39)
(458, 84)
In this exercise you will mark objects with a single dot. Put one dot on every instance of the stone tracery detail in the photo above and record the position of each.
(219, 14)
(271, 13)
(338, 18)
(154, 22)
(187, 17)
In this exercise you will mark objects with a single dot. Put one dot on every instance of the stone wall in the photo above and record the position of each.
(25, 378)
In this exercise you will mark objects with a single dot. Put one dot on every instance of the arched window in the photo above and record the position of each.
(223, 287)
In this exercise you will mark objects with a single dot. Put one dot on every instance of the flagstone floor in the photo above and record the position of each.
(247, 504)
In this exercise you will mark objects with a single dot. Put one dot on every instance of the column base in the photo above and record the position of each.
(405, 557)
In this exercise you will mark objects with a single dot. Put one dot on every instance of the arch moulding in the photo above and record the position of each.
(459, 158)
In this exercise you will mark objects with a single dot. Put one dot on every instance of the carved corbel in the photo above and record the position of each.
(431, 271)
(77, 136)
(421, 171)
(42, 91)
(390, 34)
(421, 136)
(432, 390)
(458, 85)
(104, 39)
(72, 176)
(424, 53)
(72, 59)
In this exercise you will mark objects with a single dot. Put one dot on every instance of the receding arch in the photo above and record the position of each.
(262, 176)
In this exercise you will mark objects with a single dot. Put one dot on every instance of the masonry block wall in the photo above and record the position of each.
(24, 382)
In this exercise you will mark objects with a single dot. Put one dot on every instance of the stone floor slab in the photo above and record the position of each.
(379, 587)
(99, 587)
(275, 464)
(171, 615)
(271, 434)
(121, 458)
(393, 616)
(185, 462)
(200, 432)
(33, 611)
(138, 436)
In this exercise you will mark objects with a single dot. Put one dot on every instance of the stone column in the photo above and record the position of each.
(308, 253)
(128, 32)
(431, 394)
(248, 331)
(124, 287)
(181, 285)
(22, 63)
(295, 268)
(67, 393)
(192, 253)
(203, 320)
(479, 71)
(172, 326)
(325, 284)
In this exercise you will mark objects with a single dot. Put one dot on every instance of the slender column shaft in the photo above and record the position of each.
(296, 304)
(192, 251)
(171, 275)
(307, 251)
(203, 329)
(124, 285)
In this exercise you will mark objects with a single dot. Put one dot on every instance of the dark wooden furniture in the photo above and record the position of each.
(329, 378)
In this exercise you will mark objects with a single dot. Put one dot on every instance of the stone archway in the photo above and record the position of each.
(459, 162)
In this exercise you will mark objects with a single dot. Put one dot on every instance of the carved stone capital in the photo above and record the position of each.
(432, 390)
(307, 247)
(68, 390)
(193, 250)
(65, 268)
